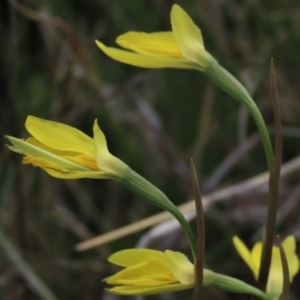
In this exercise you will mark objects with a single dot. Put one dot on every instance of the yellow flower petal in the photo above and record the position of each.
(189, 37)
(38, 144)
(59, 136)
(106, 161)
(151, 272)
(145, 61)
(161, 43)
(100, 143)
(256, 257)
(67, 174)
(289, 245)
(83, 160)
(276, 266)
(52, 159)
(55, 171)
(185, 30)
(130, 257)
(180, 266)
(245, 254)
(141, 290)
(275, 279)
(182, 48)
(67, 153)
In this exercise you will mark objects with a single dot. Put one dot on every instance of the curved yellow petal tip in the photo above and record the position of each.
(189, 38)
(100, 45)
(245, 254)
(180, 266)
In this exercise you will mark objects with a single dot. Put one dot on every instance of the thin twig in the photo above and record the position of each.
(274, 182)
(199, 263)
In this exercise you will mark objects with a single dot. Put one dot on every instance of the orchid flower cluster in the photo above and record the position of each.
(67, 153)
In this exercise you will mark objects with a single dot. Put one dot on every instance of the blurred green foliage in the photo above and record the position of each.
(154, 120)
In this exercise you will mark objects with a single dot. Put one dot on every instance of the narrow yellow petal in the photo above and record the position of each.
(289, 245)
(100, 141)
(151, 272)
(256, 257)
(275, 281)
(111, 165)
(53, 160)
(41, 162)
(75, 174)
(184, 27)
(253, 260)
(245, 254)
(83, 160)
(59, 136)
(145, 61)
(55, 171)
(276, 266)
(38, 144)
(105, 161)
(161, 43)
(180, 266)
(141, 290)
(130, 257)
(189, 37)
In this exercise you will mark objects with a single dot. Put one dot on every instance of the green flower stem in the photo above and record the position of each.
(235, 89)
(142, 187)
(230, 284)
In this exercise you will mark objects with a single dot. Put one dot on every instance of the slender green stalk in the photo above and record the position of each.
(199, 263)
(235, 89)
(34, 281)
(142, 187)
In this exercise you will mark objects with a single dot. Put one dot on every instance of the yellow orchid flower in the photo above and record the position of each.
(149, 271)
(67, 153)
(252, 259)
(181, 48)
